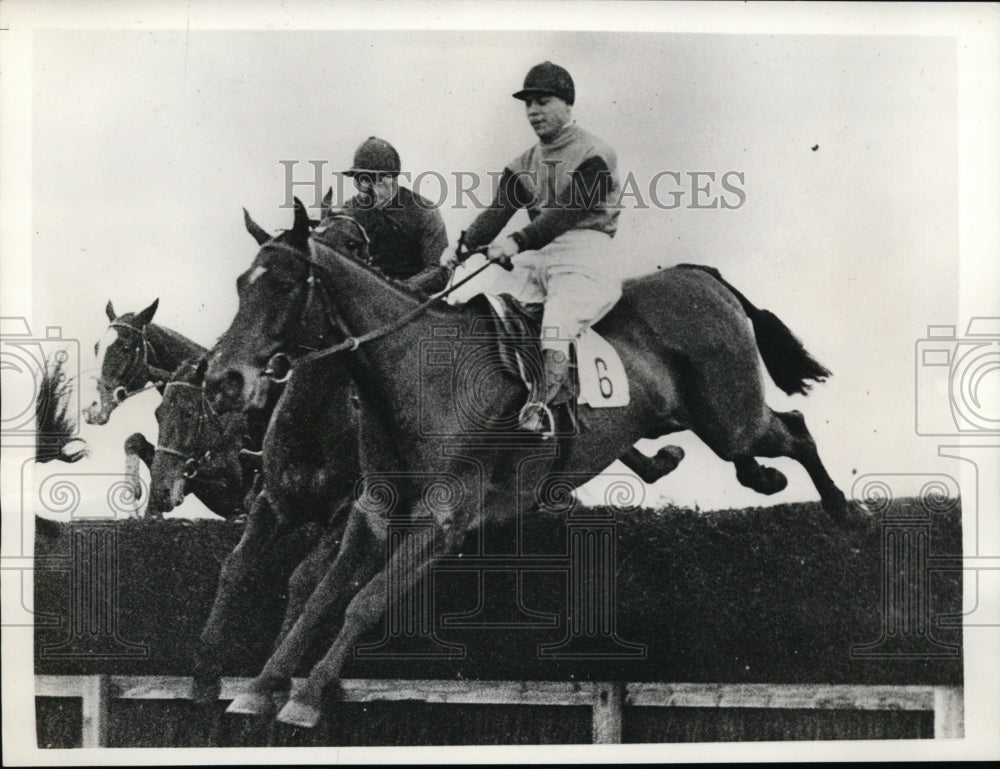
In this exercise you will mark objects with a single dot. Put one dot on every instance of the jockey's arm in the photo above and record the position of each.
(433, 240)
(492, 220)
(592, 183)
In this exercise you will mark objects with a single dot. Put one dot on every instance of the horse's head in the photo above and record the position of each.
(282, 313)
(192, 438)
(122, 361)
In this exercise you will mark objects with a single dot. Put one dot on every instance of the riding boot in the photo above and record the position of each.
(558, 387)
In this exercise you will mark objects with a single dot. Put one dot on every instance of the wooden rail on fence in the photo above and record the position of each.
(607, 699)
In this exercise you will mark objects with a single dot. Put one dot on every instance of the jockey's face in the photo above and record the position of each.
(378, 189)
(547, 115)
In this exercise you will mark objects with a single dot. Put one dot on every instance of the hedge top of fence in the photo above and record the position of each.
(763, 595)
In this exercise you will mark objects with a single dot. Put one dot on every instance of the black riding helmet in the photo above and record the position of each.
(548, 78)
(375, 157)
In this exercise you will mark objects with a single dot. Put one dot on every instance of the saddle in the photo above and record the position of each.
(518, 332)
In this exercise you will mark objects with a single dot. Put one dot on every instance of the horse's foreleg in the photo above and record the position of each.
(788, 436)
(220, 487)
(651, 469)
(364, 610)
(307, 576)
(361, 555)
(239, 571)
(137, 449)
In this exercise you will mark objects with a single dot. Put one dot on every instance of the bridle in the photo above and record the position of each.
(191, 463)
(121, 392)
(315, 283)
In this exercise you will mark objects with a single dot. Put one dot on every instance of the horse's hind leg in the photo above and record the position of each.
(787, 436)
(763, 480)
(651, 469)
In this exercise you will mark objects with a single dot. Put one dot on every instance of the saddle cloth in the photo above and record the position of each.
(601, 378)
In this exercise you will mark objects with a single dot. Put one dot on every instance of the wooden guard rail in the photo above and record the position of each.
(607, 699)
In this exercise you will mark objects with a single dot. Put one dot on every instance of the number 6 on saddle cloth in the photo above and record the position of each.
(603, 382)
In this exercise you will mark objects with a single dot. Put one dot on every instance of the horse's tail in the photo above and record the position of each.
(55, 420)
(785, 359)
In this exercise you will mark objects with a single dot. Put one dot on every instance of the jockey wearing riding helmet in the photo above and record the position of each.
(563, 257)
(409, 233)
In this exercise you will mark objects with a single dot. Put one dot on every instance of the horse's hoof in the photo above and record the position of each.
(298, 713)
(772, 481)
(668, 458)
(205, 692)
(251, 704)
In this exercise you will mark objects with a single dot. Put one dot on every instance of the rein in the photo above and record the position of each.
(191, 463)
(352, 343)
(151, 371)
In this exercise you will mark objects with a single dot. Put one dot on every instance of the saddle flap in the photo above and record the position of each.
(602, 381)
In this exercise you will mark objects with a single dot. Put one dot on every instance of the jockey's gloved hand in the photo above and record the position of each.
(449, 258)
(503, 250)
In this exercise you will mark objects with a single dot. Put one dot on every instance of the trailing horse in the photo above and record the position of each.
(685, 342)
(135, 355)
(197, 450)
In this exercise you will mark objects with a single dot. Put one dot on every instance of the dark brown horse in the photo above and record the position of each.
(687, 341)
(197, 451)
(133, 353)
(312, 455)
(136, 354)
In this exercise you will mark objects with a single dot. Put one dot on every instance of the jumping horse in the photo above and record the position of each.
(689, 342)
(135, 355)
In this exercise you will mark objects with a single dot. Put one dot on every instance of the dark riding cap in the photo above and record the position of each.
(377, 157)
(548, 78)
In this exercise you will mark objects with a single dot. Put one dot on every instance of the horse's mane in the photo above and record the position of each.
(169, 334)
(191, 371)
(398, 285)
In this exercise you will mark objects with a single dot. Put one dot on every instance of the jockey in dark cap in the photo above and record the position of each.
(406, 238)
(563, 257)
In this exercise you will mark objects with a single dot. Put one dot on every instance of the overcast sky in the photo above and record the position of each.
(146, 144)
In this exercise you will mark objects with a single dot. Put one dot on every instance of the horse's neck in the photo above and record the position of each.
(368, 302)
(169, 349)
(387, 369)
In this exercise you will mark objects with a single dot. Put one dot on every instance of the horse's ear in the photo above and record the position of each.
(258, 232)
(109, 310)
(199, 373)
(300, 229)
(328, 198)
(147, 315)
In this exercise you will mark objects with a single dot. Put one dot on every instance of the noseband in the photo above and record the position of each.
(120, 393)
(192, 464)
